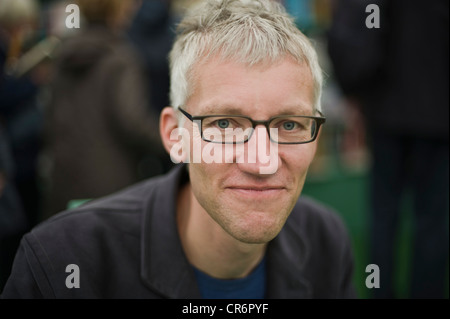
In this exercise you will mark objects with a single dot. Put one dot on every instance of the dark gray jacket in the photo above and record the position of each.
(127, 246)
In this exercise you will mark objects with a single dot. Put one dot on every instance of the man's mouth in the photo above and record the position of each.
(256, 192)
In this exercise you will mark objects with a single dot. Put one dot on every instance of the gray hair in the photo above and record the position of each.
(247, 31)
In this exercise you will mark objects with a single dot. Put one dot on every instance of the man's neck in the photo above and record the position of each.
(208, 247)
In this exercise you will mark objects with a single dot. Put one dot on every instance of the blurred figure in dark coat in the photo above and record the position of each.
(98, 124)
(20, 128)
(399, 75)
(13, 222)
(152, 33)
(19, 108)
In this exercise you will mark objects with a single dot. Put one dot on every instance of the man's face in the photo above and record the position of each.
(250, 206)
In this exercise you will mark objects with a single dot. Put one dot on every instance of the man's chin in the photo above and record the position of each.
(259, 231)
(255, 239)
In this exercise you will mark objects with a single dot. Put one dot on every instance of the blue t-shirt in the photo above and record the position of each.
(251, 287)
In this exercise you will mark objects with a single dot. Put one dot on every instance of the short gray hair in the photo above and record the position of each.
(247, 31)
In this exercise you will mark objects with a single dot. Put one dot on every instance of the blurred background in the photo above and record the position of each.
(67, 131)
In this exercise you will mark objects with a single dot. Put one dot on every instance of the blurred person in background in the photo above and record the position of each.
(98, 123)
(19, 107)
(20, 129)
(152, 33)
(398, 74)
(13, 222)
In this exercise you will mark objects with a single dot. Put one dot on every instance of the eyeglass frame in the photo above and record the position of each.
(320, 120)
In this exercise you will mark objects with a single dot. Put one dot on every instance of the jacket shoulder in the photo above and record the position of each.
(102, 237)
(115, 207)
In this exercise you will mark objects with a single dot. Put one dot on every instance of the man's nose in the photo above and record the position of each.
(260, 154)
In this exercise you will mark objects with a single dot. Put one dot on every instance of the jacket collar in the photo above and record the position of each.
(164, 266)
(166, 270)
(286, 258)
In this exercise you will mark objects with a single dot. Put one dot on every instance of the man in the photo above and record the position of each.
(229, 223)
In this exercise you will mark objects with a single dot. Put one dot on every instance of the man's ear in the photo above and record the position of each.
(171, 136)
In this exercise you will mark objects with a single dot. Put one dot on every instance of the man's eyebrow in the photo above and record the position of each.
(235, 110)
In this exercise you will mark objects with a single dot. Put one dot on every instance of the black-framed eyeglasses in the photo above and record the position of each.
(234, 129)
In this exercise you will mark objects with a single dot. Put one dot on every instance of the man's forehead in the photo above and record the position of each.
(289, 93)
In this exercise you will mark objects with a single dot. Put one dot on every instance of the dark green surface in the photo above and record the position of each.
(347, 193)
(76, 202)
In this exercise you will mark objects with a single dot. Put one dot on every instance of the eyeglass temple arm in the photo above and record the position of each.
(189, 116)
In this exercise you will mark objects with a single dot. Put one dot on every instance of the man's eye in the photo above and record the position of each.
(289, 126)
(223, 123)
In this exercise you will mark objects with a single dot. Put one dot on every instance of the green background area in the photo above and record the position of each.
(348, 193)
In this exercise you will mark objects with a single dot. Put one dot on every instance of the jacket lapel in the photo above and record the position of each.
(164, 266)
(286, 257)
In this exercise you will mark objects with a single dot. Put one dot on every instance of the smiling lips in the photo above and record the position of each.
(256, 191)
